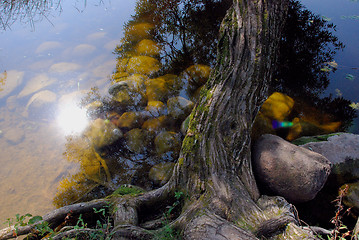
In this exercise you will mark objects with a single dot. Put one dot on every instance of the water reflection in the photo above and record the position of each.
(72, 119)
(305, 61)
(26, 11)
(135, 133)
(42, 77)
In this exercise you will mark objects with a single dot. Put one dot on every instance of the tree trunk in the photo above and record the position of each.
(214, 167)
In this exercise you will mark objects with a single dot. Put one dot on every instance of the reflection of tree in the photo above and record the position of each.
(92, 171)
(186, 30)
(174, 37)
(26, 11)
(145, 106)
(3, 77)
(309, 44)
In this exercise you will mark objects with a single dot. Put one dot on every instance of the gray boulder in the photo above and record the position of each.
(342, 150)
(337, 148)
(285, 169)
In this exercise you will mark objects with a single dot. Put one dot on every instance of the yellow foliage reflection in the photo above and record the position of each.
(280, 113)
(138, 127)
(93, 172)
(3, 77)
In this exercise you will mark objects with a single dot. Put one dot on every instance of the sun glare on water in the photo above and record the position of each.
(72, 119)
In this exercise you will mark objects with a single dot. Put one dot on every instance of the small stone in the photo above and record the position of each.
(161, 173)
(143, 65)
(156, 108)
(130, 120)
(14, 135)
(137, 140)
(138, 31)
(156, 89)
(40, 104)
(102, 133)
(179, 107)
(148, 47)
(155, 124)
(167, 141)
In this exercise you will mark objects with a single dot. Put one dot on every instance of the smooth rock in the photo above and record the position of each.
(35, 84)
(196, 75)
(138, 31)
(130, 90)
(351, 198)
(337, 148)
(161, 173)
(293, 172)
(143, 65)
(148, 47)
(156, 108)
(342, 150)
(83, 49)
(40, 103)
(137, 140)
(63, 67)
(167, 141)
(156, 89)
(155, 124)
(179, 107)
(102, 133)
(9, 80)
(130, 120)
(46, 46)
(14, 135)
(11, 103)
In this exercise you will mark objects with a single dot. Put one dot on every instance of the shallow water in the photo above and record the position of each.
(68, 53)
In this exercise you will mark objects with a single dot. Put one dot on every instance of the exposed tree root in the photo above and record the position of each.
(211, 226)
(131, 232)
(73, 233)
(54, 218)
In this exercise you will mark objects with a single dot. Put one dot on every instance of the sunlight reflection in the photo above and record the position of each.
(72, 119)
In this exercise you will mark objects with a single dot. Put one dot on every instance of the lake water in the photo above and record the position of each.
(68, 53)
(46, 67)
(345, 15)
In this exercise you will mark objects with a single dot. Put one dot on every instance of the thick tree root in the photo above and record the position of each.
(130, 232)
(73, 233)
(272, 227)
(212, 227)
(54, 218)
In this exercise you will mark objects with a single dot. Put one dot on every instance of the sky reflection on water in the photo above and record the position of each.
(341, 12)
(62, 56)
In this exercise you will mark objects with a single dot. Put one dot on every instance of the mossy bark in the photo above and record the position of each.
(215, 169)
